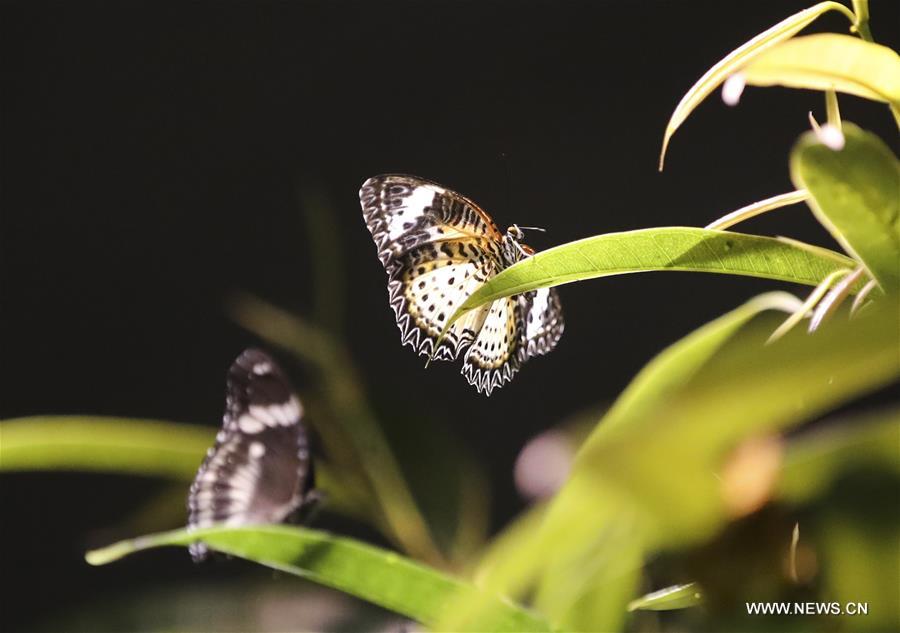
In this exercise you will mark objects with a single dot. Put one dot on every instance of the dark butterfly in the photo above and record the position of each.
(438, 247)
(260, 469)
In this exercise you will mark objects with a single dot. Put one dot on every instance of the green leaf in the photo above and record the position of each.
(674, 597)
(379, 576)
(829, 61)
(739, 57)
(589, 593)
(673, 368)
(813, 460)
(748, 389)
(665, 248)
(583, 517)
(862, 555)
(855, 194)
(119, 445)
(127, 446)
(651, 463)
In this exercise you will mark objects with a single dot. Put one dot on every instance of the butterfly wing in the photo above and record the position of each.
(437, 247)
(544, 322)
(403, 212)
(260, 469)
(516, 328)
(495, 356)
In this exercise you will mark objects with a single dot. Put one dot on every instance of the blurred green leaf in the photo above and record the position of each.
(674, 597)
(126, 446)
(739, 57)
(508, 543)
(96, 443)
(653, 459)
(860, 560)
(829, 61)
(813, 460)
(379, 576)
(575, 522)
(674, 367)
(667, 248)
(749, 389)
(589, 591)
(855, 194)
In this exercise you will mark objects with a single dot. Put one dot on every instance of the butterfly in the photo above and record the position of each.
(437, 248)
(260, 469)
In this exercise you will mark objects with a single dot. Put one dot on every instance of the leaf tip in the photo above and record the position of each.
(665, 146)
(98, 557)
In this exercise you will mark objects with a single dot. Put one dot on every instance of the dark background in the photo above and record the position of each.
(152, 156)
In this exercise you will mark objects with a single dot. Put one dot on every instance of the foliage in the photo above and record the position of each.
(377, 575)
(830, 61)
(853, 193)
(669, 248)
(697, 448)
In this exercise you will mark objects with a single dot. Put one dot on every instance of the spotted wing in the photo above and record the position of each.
(403, 212)
(260, 469)
(497, 353)
(544, 322)
(516, 328)
(437, 248)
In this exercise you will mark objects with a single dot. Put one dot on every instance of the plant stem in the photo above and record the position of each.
(758, 208)
(861, 23)
(810, 303)
(832, 109)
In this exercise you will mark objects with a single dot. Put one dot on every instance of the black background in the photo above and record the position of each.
(152, 156)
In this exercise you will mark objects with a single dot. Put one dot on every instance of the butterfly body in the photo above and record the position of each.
(260, 468)
(437, 248)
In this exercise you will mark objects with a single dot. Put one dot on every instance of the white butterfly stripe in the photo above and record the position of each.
(544, 322)
(539, 306)
(413, 207)
(249, 423)
(263, 368)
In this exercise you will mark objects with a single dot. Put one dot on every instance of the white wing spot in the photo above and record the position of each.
(261, 369)
(266, 415)
(249, 424)
(257, 450)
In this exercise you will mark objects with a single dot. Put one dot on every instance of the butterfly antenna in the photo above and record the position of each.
(534, 228)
